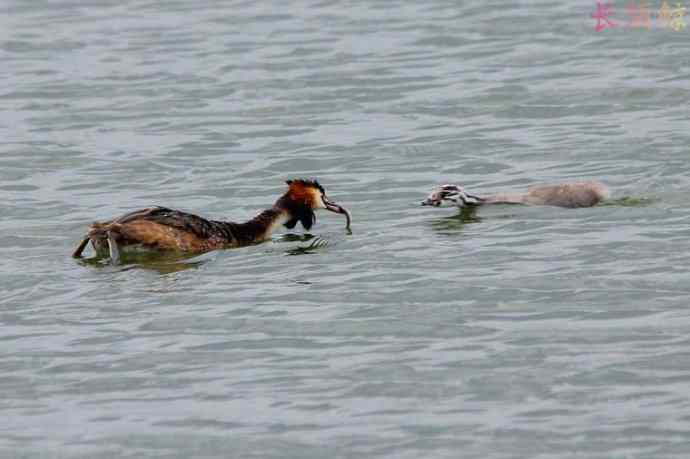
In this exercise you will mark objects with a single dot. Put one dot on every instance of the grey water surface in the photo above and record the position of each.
(511, 332)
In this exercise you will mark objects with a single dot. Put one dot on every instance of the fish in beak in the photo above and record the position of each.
(338, 209)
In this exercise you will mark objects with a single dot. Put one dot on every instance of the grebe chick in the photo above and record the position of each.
(577, 194)
(159, 228)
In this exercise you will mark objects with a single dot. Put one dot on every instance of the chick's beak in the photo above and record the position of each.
(432, 200)
(338, 209)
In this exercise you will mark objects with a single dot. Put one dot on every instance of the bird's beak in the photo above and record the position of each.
(432, 201)
(338, 209)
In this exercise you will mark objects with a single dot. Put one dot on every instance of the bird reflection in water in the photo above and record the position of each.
(455, 223)
(314, 245)
(162, 262)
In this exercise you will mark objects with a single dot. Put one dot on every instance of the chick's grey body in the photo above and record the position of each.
(570, 195)
(579, 194)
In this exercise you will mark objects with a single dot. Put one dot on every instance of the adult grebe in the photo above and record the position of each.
(578, 194)
(159, 228)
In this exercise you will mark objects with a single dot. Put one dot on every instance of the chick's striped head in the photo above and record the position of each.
(451, 194)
